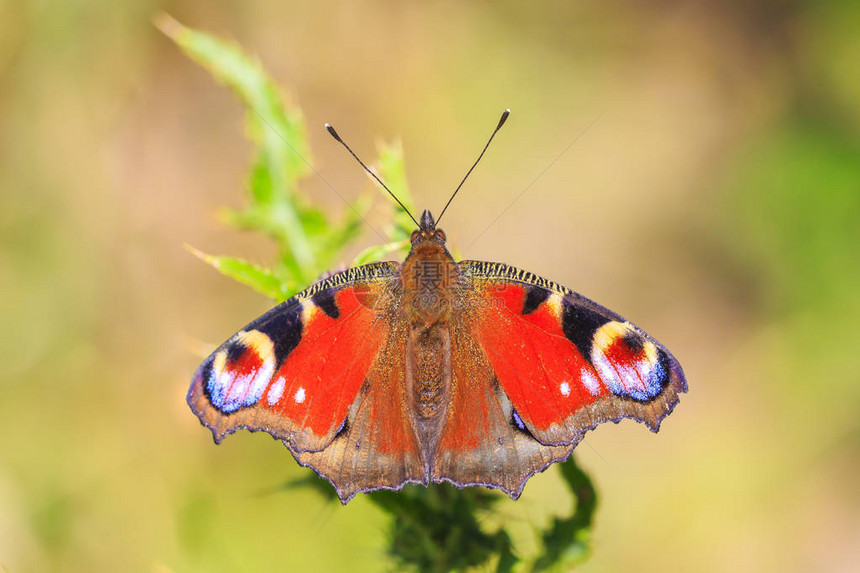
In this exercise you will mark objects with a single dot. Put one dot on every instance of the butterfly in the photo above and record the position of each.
(434, 370)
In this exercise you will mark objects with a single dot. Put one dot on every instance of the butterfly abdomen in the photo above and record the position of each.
(428, 380)
(431, 351)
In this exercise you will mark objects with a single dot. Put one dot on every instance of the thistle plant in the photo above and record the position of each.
(436, 528)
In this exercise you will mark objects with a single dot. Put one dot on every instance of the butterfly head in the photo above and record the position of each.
(427, 231)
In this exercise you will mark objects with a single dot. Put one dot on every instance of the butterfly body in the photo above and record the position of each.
(434, 370)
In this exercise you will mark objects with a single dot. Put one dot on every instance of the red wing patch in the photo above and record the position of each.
(540, 370)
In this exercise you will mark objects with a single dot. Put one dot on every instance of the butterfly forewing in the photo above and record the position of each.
(295, 371)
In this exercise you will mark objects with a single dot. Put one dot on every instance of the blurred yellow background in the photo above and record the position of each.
(715, 202)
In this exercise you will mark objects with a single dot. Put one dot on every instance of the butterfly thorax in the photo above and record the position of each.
(429, 277)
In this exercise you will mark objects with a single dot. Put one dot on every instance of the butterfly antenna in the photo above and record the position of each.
(334, 134)
(502, 121)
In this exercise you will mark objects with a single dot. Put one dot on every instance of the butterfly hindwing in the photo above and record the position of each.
(295, 371)
(479, 445)
(565, 363)
(377, 448)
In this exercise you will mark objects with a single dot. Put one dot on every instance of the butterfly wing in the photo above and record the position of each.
(539, 366)
(311, 372)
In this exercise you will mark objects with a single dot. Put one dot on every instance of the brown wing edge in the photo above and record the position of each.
(345, 495)
(256, 420)
(514, 492)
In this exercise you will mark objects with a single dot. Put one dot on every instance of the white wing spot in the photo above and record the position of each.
(564, 388)
(276, 391)
(300, 395)
(590, 381)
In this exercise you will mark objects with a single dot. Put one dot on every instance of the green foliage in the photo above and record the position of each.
(566, 542)
(436, 528)
(309, 242)
(439, 528)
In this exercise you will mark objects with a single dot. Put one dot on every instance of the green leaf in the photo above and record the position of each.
(277, 130)
(379, 252)
(392, 170)
(258, 278)
(333, 238)
(566, 542)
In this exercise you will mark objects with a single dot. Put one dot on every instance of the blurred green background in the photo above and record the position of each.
(715, 202)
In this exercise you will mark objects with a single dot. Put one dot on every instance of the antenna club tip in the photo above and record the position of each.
(333, 133)
(503, 119)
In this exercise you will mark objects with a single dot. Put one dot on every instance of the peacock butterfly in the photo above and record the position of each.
(471, 372)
